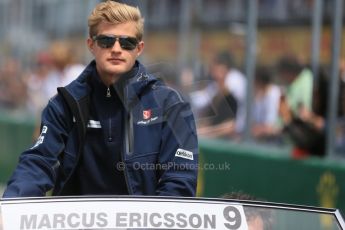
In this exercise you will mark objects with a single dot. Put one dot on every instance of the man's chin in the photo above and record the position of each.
(116, 72)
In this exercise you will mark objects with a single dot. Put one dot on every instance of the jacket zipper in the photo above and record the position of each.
(127, 150)
(110, 139)
(108, 93)
(126, 145)
(130, 134)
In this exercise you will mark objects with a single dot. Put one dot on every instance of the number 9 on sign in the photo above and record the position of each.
(233, 217)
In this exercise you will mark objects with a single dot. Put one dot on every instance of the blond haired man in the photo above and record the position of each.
(115, 130)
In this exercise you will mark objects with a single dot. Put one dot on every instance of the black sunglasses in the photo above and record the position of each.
(108, 41)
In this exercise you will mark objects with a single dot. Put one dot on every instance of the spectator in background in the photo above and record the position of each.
(266, 106)
(298, 83)
(236, 84)
(12, 88)
(317, 117)
(36, 82)
(66, 67)
(340, 133)
(220, 113)
(58, 67)
(296, 109)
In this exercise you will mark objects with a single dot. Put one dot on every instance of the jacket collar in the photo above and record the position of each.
(133, 83)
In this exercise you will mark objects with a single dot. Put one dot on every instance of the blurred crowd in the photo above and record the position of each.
(288, 106)
(26, 91)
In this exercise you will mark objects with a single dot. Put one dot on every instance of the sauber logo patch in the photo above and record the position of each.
(184, 154)
(147, 114)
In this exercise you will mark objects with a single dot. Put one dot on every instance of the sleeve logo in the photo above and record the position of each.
(184, 154)
(41, 137)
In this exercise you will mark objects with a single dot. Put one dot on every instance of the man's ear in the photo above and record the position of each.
(140, 48)
(90, 44)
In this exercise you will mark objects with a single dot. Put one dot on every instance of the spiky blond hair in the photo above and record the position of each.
(115, 13)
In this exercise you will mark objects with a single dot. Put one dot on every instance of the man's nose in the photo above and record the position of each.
(117, 46)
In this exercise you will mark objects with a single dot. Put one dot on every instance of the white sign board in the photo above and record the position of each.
(121, 213)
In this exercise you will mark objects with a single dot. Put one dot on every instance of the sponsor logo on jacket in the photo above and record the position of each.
(184, 154)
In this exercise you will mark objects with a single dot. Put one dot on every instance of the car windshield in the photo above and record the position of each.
(161, 213)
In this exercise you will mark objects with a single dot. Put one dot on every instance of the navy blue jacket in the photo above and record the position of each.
(160, 151)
